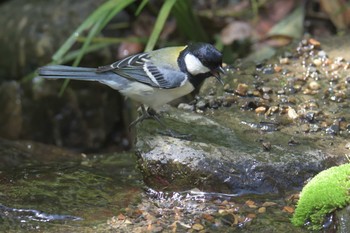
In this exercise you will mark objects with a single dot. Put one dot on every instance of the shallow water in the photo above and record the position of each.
(99, 193)
(67, 194)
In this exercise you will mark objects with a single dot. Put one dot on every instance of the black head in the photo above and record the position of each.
(200, 61)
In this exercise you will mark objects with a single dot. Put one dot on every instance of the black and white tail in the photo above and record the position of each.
(69, 72)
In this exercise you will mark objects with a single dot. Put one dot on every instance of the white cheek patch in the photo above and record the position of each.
(194, 65)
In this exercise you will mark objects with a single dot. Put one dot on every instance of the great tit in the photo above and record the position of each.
(151, 78)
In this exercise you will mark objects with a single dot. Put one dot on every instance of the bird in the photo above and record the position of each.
(152, 78)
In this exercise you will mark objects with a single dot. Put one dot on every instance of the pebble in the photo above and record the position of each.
(201, 105)
(266, 96)
(305, 128)
(197, 227)
(260, 110)
(347, 145)
(314, 85)
(317, 62)
(288, 209)
(228, 88)
(310, 116)
(314, 42)
(268, 70)
(242, 89)
(314, 128)
(292, 114)
(262, 210)
(284, 60)
(322, 54)
(269, 203)
(333, 130)
(271, 110)
(186, 107)
(277, 69)
(266, 90)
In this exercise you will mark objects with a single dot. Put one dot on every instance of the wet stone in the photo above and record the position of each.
(260, 110)
(228, 88)
(310, 116)
(242, 89)
(268, 70)
(186, 107)
(266, 90)
(314, 85)
(201, 105)
(305, 128)
(333, 130)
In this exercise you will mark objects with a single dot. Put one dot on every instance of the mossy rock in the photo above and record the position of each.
(326, 192)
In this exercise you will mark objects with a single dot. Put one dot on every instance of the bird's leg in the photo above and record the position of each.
(151, 113)
(145, 114)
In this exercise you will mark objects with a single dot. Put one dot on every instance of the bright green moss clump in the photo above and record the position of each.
(327, 191)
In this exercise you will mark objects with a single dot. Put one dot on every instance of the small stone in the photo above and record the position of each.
(285, 71)
(322, 54)
(268, 70)
(242, 89)
(128, 222)
(266, 96)
(292, 100)
(251, 216)
(333, 130)
(284, 60)
(292, 114)
(310, 116)
(271, 110)
(260, 110)
(317, 62)
(208, 217)
(269, 203)
(251, 204)
(266, 89)
(266, 146)
(213, 104)
(277, 69)
(314, 85)
(228, 88)
(288, 209)
(305, 128)
(314, 42)
(201, 105)
(121, 217)
(314, 128)
(339, 59)
(281, 92)
(186, 107)
(347, 145)
(197, 227)
(262, 210)
(212, 92)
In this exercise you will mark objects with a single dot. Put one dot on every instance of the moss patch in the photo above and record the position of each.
(327, 191)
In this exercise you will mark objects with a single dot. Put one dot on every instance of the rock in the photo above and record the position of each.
(197, 227)
(221, 158)
(343, 220)
(11, 110)
(242, 89)
(33, 30)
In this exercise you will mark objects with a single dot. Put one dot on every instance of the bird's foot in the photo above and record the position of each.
(147, 114)
(151, 113)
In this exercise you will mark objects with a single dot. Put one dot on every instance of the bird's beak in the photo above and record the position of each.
(216, 73)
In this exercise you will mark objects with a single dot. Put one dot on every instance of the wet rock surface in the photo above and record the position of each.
(270, 128)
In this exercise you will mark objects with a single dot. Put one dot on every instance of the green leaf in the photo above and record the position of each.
(161, 19)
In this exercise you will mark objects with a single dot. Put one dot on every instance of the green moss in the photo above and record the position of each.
(326, 192)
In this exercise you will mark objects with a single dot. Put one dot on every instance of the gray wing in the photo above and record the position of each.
(140, 68)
